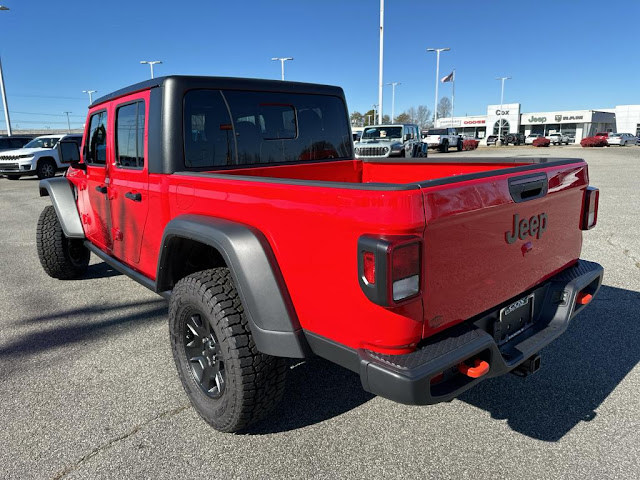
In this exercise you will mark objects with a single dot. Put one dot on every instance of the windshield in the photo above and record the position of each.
(382, 132)
(42, 142)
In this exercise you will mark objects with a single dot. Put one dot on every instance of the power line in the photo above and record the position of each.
(45, 114)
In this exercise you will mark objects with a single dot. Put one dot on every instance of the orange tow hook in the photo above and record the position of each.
(583, 298)
(480, 368)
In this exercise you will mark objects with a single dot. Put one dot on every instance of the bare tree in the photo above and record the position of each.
(413, 115)
(403, 118)
(444, 107)
(357, 119)
(423, 117)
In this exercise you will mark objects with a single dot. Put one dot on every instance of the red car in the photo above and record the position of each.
(241, 202)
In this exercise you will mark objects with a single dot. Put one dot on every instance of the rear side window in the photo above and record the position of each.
(97, 148)
(130, 135)
(263, 128)
(18, 142)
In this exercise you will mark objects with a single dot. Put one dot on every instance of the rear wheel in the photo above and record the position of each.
(61, 257)
(459, 145)
(46, 168)
(444, 146)
(228, 381)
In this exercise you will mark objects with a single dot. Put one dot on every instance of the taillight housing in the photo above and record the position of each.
(590, 208)
(390, 268)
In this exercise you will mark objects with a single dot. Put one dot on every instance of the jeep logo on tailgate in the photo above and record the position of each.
(533, 227)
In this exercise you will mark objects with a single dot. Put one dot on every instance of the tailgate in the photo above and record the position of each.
(479, 246)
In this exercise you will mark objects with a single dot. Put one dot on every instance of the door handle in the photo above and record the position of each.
(136, 197)
(101, 189)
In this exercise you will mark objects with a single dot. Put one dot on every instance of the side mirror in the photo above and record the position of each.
(69, 152)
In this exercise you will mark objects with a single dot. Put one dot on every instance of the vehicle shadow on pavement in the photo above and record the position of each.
(100, 270)
(79, 326)
(316, 390)
(579, 371)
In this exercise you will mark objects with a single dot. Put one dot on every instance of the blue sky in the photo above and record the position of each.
(561, 54)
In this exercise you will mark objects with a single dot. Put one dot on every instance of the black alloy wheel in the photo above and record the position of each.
(204, 354)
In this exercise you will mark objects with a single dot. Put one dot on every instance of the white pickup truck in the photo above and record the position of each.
(558, 138)
(442, 139)
(38, 157)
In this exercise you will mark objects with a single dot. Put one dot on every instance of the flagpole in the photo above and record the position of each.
(453, 95)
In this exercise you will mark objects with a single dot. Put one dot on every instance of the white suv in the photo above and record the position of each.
(38, 157)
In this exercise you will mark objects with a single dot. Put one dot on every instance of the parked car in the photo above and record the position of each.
(325, 255)
(558, 138)
(492, 139)
(13, 142)
(514, 138)
(604, 135)
(442, 139)
(395, 140)
(38, 157)
(621, 139)
(531, 137)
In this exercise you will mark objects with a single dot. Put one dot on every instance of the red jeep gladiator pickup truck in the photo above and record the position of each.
(241, 202)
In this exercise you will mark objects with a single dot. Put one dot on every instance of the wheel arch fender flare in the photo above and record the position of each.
(63, 198)
(247, 253)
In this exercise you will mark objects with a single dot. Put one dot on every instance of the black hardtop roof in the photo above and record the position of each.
(188, 82)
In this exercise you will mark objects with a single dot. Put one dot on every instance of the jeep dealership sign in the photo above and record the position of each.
(575, 116)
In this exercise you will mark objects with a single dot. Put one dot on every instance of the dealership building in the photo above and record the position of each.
(578, 124)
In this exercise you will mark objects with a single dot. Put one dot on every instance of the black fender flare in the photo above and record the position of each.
(63, 198)
(272, 318)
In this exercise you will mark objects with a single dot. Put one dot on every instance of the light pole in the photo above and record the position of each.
(368, 119)
(502, 79)
(393, 98)
(90, 92)
(151, 63)
(68, 122)
(282, 60)
(380, 69)
(3, 92)
(435, 103)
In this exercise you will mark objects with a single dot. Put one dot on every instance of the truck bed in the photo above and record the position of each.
(396, 171)
(312, 215)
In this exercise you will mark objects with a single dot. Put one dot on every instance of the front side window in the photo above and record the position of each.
(130, 136)
(244, 128)
(97, 148)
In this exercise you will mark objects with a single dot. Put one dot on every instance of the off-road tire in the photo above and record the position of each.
(459, 145)
(253, 382)
(61, 257)
(444, 147)
(46, 168)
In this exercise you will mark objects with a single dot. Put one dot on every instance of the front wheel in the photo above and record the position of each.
(46, 168)
(228, 381)
(61, 257)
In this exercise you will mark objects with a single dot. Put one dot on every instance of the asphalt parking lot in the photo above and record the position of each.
(88, 387)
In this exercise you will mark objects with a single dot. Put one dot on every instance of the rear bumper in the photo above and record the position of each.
(408, 378)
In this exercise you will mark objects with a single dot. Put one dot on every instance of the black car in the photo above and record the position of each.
(514, 139)
(13, 142)
(492, 139)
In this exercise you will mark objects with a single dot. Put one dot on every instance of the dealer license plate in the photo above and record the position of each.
(514, 319)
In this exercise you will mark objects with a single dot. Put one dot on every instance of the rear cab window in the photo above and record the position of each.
(236, 128)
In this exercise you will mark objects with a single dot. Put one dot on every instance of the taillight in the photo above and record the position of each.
(389, 268)
(369, 267)
(405, 271)
(590, 208)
